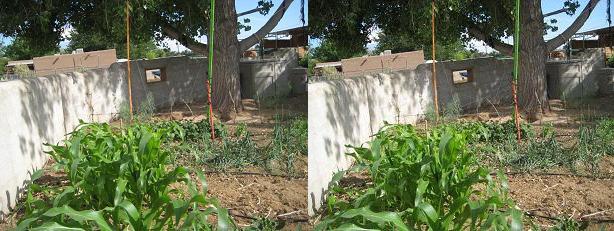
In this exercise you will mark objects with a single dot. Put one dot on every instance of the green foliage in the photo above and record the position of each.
(490, 131)
(24, 48)
(3, 62)
(423, 181)
(329, 51)
(119, 180)
(610, 61)
(23, 71)
(93, 41)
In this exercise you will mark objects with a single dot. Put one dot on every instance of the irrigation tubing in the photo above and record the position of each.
(210, 67)
(556, 174)
(598, 221)
(255, 174)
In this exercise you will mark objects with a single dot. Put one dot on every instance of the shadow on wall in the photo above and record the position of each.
(43, 110)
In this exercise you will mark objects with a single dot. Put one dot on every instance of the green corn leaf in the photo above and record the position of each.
(54, 226)
(80, 216)
(376, 217)
(352, 227)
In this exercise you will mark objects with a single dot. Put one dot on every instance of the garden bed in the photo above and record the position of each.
(263, 187)
(559, 186)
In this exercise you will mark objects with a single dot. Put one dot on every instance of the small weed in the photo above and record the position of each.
(264, 224)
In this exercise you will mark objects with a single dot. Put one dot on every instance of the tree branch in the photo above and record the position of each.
(555, 12)
(186, 41)
(268, 26)
(573, 28)
(496, 44)
(257, 9)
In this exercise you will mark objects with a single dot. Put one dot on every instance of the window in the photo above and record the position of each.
(155, 75)
(462, 76)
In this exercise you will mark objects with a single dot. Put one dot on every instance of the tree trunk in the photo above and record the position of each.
(226, 90)
(532, 97)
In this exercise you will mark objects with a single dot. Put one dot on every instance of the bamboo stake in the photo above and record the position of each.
(434, 75)
(129, 74)
(516, 67)
(210, 67)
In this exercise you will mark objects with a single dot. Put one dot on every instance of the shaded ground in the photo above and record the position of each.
(248, 193)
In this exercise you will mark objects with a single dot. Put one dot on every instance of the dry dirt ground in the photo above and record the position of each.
(248, 193)
(558, 193)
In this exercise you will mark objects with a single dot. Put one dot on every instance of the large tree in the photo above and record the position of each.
(41, 23)
(350, 22)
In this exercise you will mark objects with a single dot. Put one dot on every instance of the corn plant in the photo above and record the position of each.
(118, 180)
(423, 181)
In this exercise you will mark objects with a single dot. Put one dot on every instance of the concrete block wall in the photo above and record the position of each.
(268, 77)
(43, 110)
(606, 81)
(184, 83)
(491, 82)
(349, 111)
(575, 78)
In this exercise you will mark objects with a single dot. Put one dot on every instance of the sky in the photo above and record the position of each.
(291, 19)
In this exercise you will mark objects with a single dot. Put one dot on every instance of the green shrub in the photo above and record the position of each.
(423, 182)
(119, 180)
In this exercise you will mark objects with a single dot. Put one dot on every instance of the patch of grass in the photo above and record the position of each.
(496, 144)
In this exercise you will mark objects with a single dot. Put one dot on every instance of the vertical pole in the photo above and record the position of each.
(210, 67)
(129, 73)
(434, 75)
(516, 66)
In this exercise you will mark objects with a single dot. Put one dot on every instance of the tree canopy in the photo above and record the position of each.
(96, 24)
(349, 23)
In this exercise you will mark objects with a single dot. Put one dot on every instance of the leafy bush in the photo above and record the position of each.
(423, 181)
(119, 180)
(490, 131)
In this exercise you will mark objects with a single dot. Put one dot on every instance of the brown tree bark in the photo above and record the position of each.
(226, 87)
(532, 88)
(532, 97)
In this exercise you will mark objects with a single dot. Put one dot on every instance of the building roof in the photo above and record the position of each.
(605, 30)
(329, 64)
(20, 62)
(290, 31)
